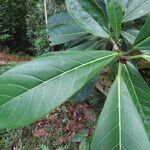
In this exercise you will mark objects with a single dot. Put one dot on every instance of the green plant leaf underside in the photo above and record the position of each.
(65, 33)
(136, 9)
(142, 41)
(89, 44)
(62, 28)
(139, 91)
(31, 90)
(88, 15)
(60, 18)
(115, 15)
(120, 126)
(130, 35)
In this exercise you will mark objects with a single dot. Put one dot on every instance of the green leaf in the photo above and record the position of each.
(62, 29)
(65, 33)
(115, 15)
(30, 91)
(130, 35)
(90, 44)
(139, 91)
(119, 126)
(89, 16)
(73, 45)
(146, 55)
(136, 9)
(144, 45)
(60, 18)
(142, 41)
(101, 4)
(84, 145)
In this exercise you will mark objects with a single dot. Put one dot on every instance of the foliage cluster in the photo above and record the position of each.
(96, 34)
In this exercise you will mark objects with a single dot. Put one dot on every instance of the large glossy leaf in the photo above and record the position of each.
(142, 41)
(60, 18)
(90, 42)
(89, 16)
(79, 41)
(115, 15)
(86, 45)
(65, 33)
(32, 90)
(136, 9)
(130, 35)
(139, 91)
(62, 29)
(119, 126)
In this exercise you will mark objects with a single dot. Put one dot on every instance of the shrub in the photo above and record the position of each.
(31, 90)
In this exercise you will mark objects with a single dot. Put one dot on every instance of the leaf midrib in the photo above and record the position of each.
(69, 34)
(119, 104)
(147, 57)
(132, 85)
(101, 28)
(80, 66)
(140, 42)
(125, 32)
(116, 21)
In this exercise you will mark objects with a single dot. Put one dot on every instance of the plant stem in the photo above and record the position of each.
(134, 57)
(114, 44)
(45, 12)
(119, 69)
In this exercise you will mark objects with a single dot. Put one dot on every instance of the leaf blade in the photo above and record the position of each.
(136, 9)
(130, 35)
(88, 16)
(62, 29)
(139, 91)
(37, 91)
(119, 133)
(142, 41)
(115, 15)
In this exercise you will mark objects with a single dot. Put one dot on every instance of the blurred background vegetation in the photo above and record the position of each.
(22, 25)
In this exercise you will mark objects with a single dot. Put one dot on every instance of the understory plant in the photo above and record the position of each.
(113, 33)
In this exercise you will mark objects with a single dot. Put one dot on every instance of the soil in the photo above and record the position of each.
(10, 58)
